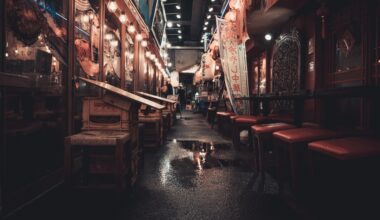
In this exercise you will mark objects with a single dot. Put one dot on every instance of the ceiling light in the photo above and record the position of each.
(210, 9)
(268, 37)
(212, 0)
(202, 41)
(179, 32)
(170, 24)
(131, 29)
(178, 25)
(206, 23)
(144, 43)
(168, 45)
(208, 16)
(179, 36)
(178, 7)
(123, 18)
(204, 28)
(139, 37)
(112, 6)
(178, 16)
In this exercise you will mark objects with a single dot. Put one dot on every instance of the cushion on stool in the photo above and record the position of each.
(282, 118)
(270, 128)
(225, 113)
(98, 138)
(250, 119)
(304, 135)
(348, 148)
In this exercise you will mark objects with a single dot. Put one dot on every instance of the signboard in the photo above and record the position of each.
(234, 63)
(158, 23)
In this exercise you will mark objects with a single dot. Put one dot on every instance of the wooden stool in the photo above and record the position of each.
(153, 131)
(241, 123)
(347, 166)
(291, 150)
(103, 153)
(224, 122)
(262, 137)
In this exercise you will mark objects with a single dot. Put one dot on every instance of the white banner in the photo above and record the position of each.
(234, 63)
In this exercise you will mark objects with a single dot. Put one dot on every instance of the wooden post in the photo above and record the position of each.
(102, 13)
(136, 67)
(122, 56)
(71, 68)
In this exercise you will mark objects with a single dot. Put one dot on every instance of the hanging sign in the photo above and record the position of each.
(234, 63)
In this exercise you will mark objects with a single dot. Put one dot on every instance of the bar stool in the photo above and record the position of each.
(291, 145)
(241, 123)
(97, 153)
(262, 137)
(352, 159)
(224, 122)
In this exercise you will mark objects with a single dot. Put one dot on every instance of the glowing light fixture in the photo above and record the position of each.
(144, 43)
(178, 16)
(170, 24)
(168, 45)
(178, 7)
(139, 37)
(204, 28)
(208, 16)
(112, 6)
(179, 36)
(123, 18)
(170, 64)
(206, 23)
(147, 54)
(210, 9)
(268, 37)
(179, 32)
(131, 29)
(178, 25)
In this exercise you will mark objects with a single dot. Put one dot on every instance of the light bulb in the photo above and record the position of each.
(123, 18)
(178, 7)
(179, 32)
(131, 29)
(168, 45)
(179, 36)
(178, 25)
(112, 6)
(139, 37)
(211, 9)
(206, 23)
(268, 37)
(170, 24)
(178, 16)
(208, 16)
(144, 43)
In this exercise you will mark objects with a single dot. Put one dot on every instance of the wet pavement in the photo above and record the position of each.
(195, 175)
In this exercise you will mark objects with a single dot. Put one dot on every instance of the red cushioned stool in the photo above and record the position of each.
(262, 138)
(291, 152)
(224, 122)
(347, 166)
(241, 123)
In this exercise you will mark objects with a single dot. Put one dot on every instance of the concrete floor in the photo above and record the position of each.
(179, 182)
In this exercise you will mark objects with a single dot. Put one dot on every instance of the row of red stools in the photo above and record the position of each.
(297, 149)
